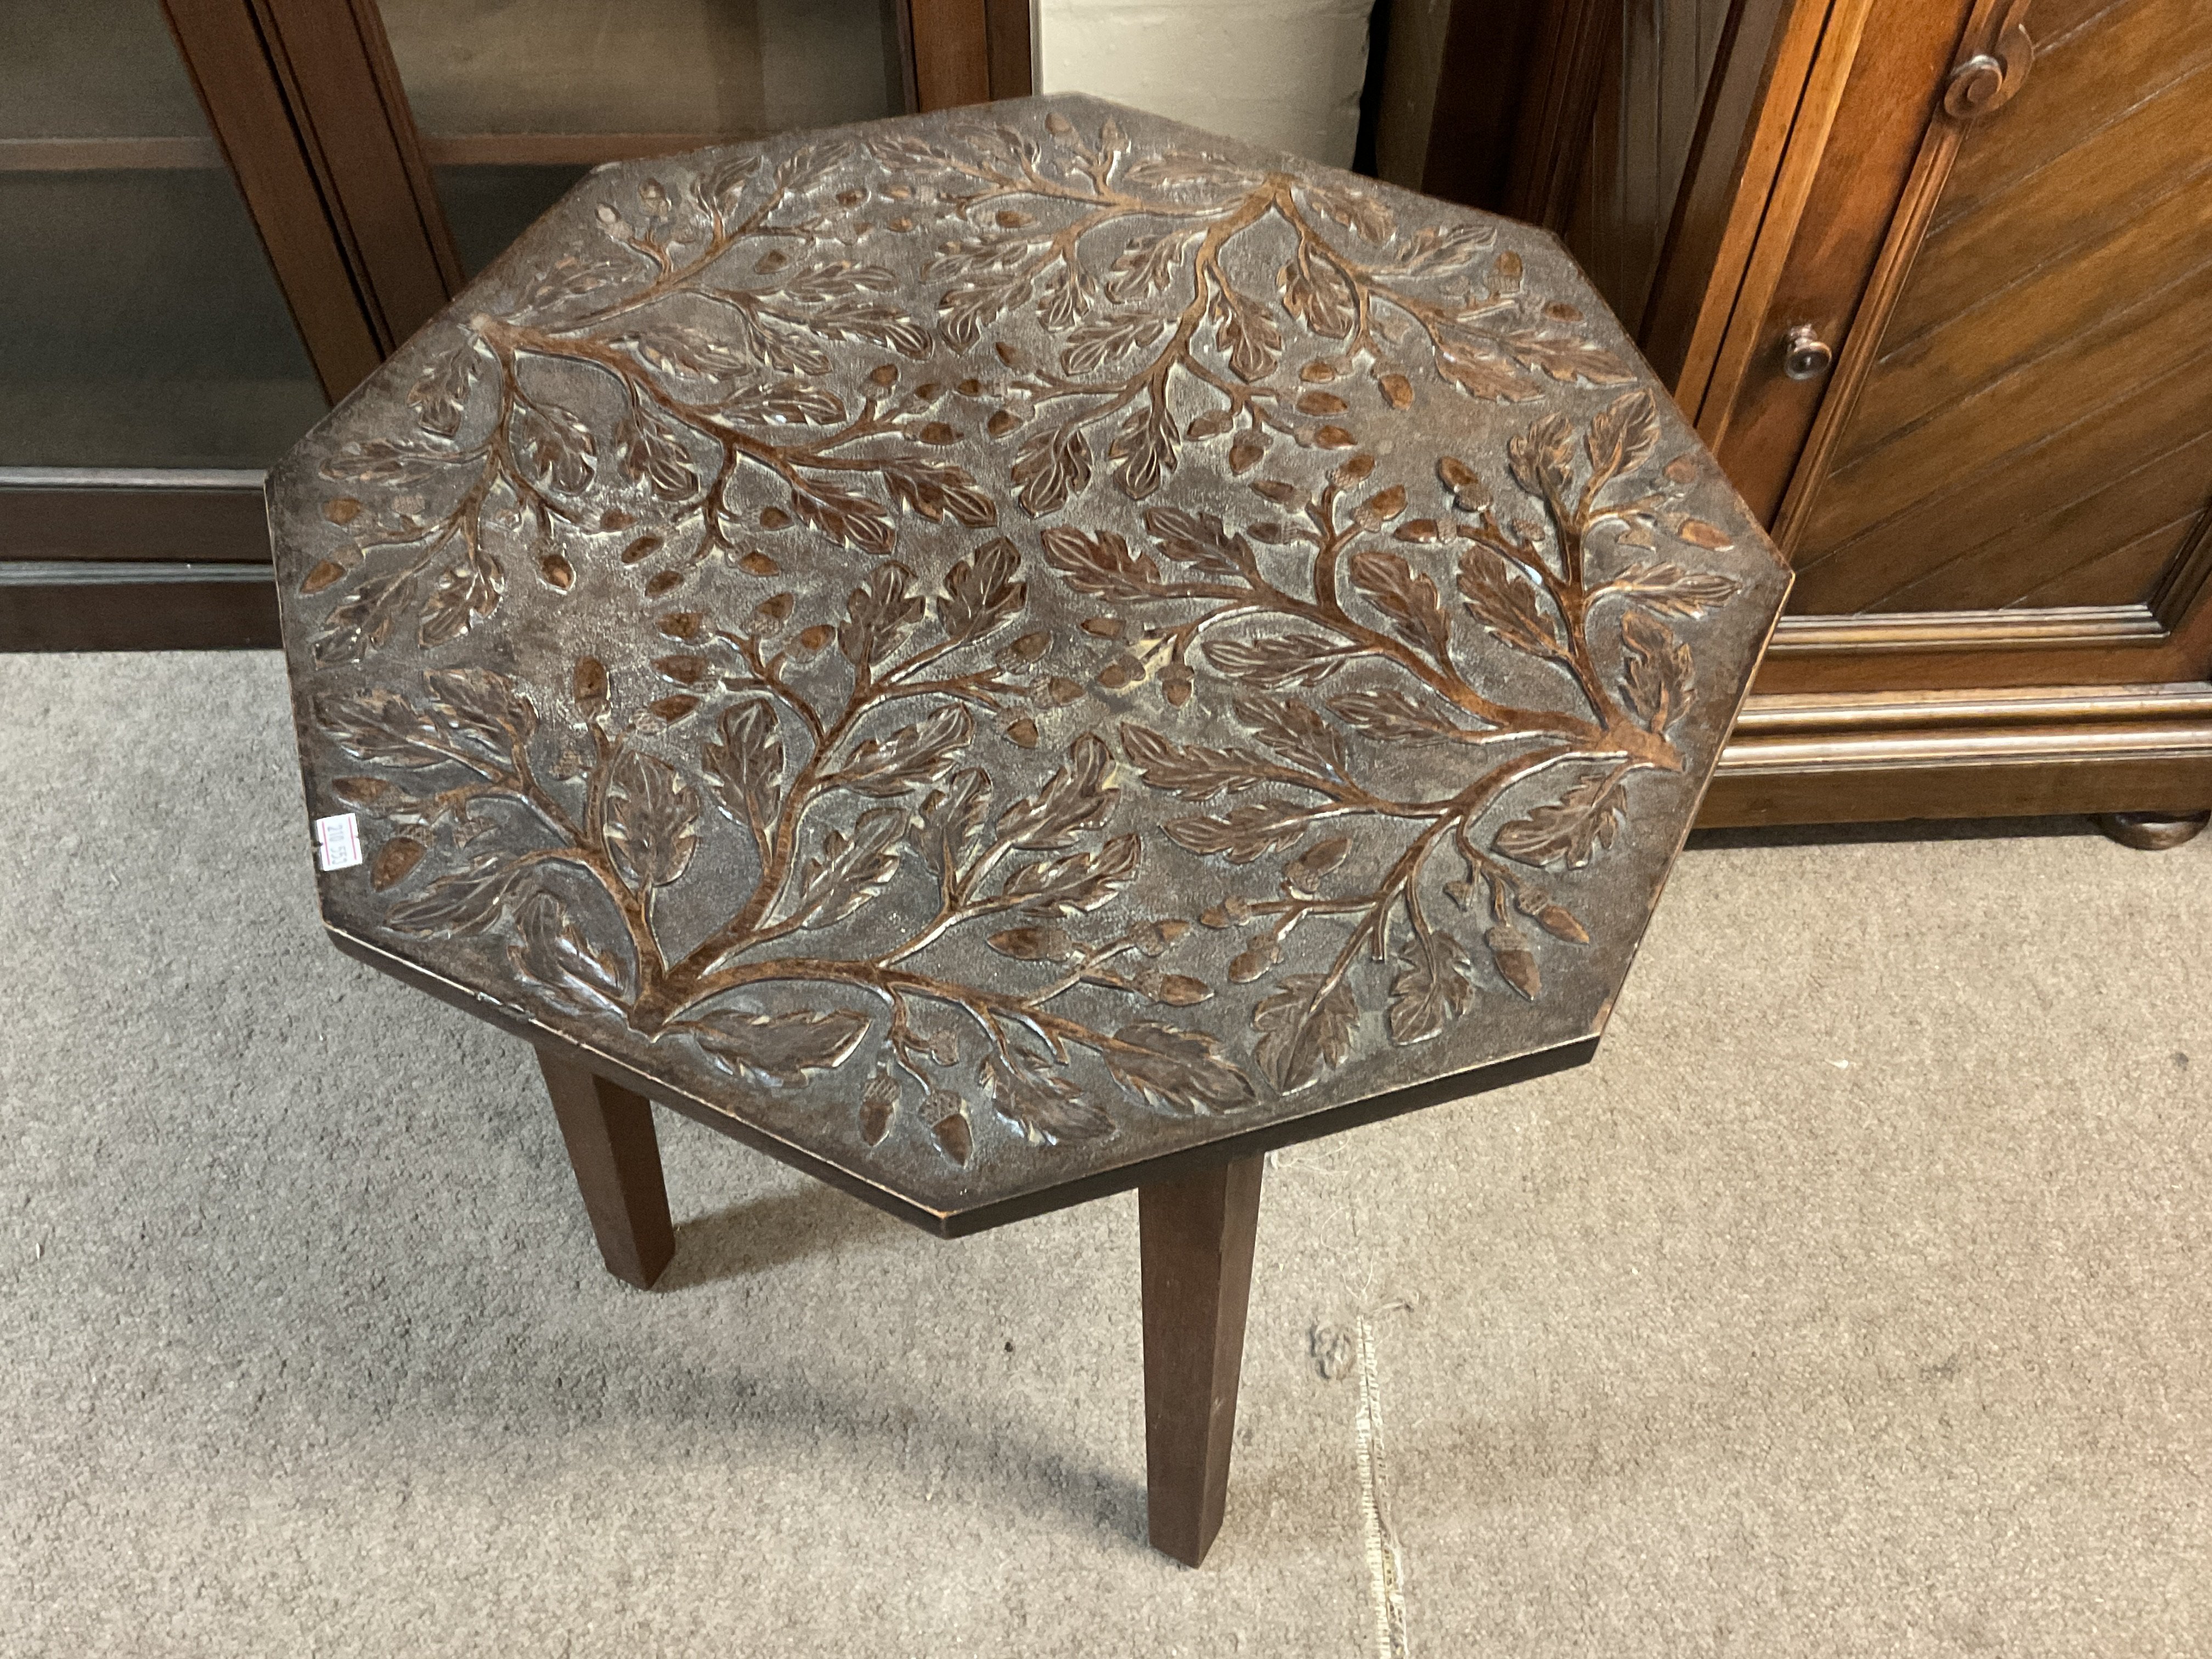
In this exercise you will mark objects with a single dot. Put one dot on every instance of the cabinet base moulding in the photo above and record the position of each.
(1859, 757)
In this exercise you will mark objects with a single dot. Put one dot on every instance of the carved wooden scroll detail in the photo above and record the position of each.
(1986, 79)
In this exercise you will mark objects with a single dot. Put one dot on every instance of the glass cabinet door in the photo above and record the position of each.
(143, 327)
(516, 98)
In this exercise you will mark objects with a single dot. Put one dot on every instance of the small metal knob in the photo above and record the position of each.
(1805, 355)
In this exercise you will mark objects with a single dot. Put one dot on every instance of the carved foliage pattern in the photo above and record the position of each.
(737, 334)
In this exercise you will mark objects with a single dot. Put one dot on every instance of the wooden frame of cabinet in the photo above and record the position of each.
(1827, 132)
(307, 108)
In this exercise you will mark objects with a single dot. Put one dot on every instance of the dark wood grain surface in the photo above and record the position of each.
(997, 654)
(1197, 1238)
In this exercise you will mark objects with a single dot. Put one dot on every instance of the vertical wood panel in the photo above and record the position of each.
(2061, 279)
(1649, 101)
(246, 104)
(951, 52)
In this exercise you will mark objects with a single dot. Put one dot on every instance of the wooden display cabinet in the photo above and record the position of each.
(228, 213)
(1930, 278)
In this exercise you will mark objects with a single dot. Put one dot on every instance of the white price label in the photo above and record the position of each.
(337, 842)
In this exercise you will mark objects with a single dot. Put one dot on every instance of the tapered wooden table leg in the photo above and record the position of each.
(617, 1158)
(1197, 1246)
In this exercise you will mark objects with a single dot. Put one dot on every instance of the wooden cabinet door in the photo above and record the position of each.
(150, 370)
(1998, 216)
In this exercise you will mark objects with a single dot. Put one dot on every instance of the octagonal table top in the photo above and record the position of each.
(999, 654)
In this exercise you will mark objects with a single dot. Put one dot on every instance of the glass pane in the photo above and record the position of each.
(516, 98)
(143, 327)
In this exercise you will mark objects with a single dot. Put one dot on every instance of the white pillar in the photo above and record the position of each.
(1282, 73)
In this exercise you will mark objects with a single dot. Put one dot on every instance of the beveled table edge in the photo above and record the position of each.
(1014, 1206)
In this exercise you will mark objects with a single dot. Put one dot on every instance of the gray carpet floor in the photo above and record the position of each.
(1857, 1300)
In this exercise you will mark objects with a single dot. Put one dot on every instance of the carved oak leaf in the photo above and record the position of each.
(1567, 357)
(361, 622)
(1177, 1071)
(953, 818)
(649, 452)
(1503, 602)
(569, 971)
(1669, 589)
(1076, 797)
(556, 447)
(981, 593)
(1045, 1106)
(939, 489)
(1429, 989)
(1146, 445)
(652, 821)
(1100, 563)
(851, 870)
(1075, 882)
(1354, 209)
(1305, 1023)
(843, 516)
(913, 755)
(1657, 675)
(1621, 437)
(392, 462)
(744, 768)
(463, 902)
(1191, 771)
(873, 321)
(719, 188)
(1107, 339)
(970, 304)
(1197, 538)
(482, 704)
(469, 588)
(1147, 264)
(779, 1049)
(836, 279)
(1052, 466)
(441, 396)
(801, 402)
(1246, 334)
(877, 613)
(1245, 832)
(777, 344)
(1294, 730)
(380, 724)
(1408, 597)
(1571, 830)
(1477, 367)
(577, 276)
(1314, 292)
(1067, 296)
(683, 350)
(1542, 458)
(1389, 715)
(1275, 662)
(1440, 250)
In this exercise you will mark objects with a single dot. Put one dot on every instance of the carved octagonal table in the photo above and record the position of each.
(1005, 656)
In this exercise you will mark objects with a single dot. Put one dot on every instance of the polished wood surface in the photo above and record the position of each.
(1497, 497)
(2044, 359)
(617, 1158)
(1197, 1240)
(1651, 95)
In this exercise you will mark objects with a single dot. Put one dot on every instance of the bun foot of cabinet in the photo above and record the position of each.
(2152, 832)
